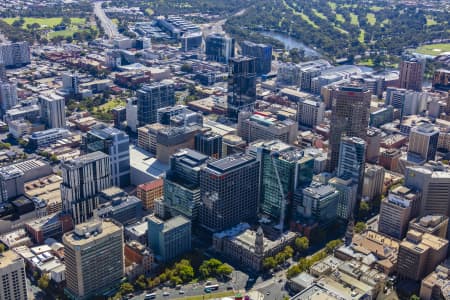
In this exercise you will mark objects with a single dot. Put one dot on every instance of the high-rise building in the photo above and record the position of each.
(423, 141)
(281, 163)
(351, 162)
(433, 224)
(229, 192)
(253, 126)
(411, 74)
(149, 192)
(310, 70)
(116, 144)
(262, 53)
(151, 97)
(94, 259)
(396, 210)
(350, 116)
(83, 179)
(219, 48)
(209, 143)
(320, 203)
(12, 271)
(407, 101)
(310, 112)
(70, 83)
(53, 112)
(3, 77)
(347, 196)
(182, 183)
(419, 253)
(373, 182)
(288, 74)
(171, 238)
(441, 80)
(15, 54)
(241, 85)
(389, 159)
(373, 140)
(434, 184)
(8, 95)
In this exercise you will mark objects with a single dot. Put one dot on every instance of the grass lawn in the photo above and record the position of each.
(354, 19)
(385, 22)
(340, 18)
(319, 14)
(332, 5)
(434, 49)
(431, 21)
(210, 296)
(44, 22)
(361, 36)
(376, 8)
(371, 19)
(108, 106)
(63, 33)
(341, 30)
(301, 15)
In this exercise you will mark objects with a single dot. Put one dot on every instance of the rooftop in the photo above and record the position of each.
(151, 185)
(230, 163)
(89, 232)
(84, 159)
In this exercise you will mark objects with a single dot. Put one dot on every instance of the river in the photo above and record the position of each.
(290, 42)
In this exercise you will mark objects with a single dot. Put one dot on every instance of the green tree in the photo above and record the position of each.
(331, 245)
(141, 283)
(184, 270)
(364, 209)
(302, 244)
(2, 248)
(224, 270)
(44, 281)
(360, 227)
(288, 251)
(269, 263)
(293, 271)
(187, 68)
(414, 297)
(126, 288)
(280, 257)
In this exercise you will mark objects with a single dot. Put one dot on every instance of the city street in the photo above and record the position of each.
(108, 26)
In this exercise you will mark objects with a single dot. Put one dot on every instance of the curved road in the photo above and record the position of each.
(108, 26)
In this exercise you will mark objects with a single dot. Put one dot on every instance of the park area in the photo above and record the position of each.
(433, 49)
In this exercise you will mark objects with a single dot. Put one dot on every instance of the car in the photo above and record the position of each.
(181, 292)
(268, 293)
(166, 294)
(229, 287)
(207, 290)
(280, 280)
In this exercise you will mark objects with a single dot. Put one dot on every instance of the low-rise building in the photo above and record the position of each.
(433, 224)
(249, 247)
(437, 284)
(150, 191)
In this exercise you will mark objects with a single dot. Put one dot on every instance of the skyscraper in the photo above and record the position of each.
(423, 141)
(116, 144)
(434, 184)
(350, 116)
(182, 183)
(229, 192)
(15, 54)
(83, 179)
(262, 53)
(411, 74)
(8, 95)
(281, 163)
(219, 48)
(209, 143)
(241, 85)
(53, 110)
(94, 259)
(12, 271)
(70, 82)
(151, 97)
(351, 162)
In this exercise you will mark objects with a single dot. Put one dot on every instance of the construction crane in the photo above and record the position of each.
(283, 200)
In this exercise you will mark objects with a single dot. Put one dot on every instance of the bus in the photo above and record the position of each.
(211, 287)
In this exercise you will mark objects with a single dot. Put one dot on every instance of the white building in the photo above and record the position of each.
(8, 95)
(53, 110)
(15, 54)
(12, 271)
